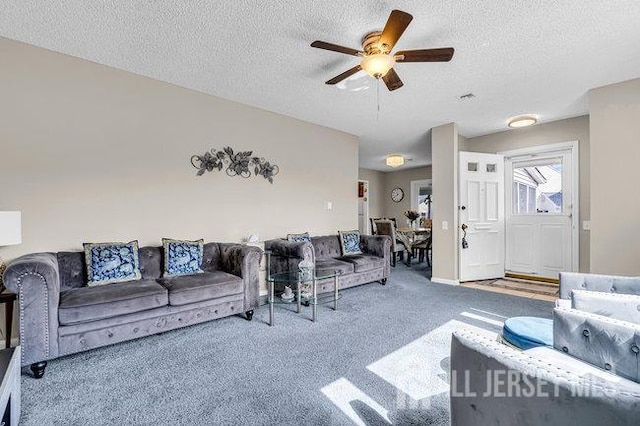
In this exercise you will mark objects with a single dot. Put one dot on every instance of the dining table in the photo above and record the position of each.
(412, 238)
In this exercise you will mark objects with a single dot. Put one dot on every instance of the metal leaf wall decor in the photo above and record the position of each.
(239, 163)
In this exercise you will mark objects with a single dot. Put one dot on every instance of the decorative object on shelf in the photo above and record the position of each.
(10, 235)
(253, 238)
(397, 194)
(306, 270)
(287, 296)
(236, 163)
(412, 215)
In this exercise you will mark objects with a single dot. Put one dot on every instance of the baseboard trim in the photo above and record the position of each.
(444, 281)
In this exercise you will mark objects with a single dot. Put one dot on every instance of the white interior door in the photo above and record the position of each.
(481, 180)
(539, 214)
(363, 207)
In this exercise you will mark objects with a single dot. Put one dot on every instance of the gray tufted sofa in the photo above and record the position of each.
(590, 377)
(325, 253)
(60, 315)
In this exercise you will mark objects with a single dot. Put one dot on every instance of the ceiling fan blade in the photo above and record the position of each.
(348, 73)
(335, 48)
(392, 80)
(425, 55)
(396, 24)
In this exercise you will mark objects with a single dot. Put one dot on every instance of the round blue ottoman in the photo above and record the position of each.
(528, 332)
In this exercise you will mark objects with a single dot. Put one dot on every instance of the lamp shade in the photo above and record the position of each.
(10, 228)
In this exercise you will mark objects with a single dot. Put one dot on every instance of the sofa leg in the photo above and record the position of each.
(38, 369)
(249, 315)
(393, 259)
(383, 281)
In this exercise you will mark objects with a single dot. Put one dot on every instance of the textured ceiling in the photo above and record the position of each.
(516, 56)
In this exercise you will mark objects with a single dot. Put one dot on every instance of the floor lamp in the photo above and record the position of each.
(10, 234)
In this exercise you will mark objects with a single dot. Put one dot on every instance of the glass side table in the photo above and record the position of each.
(297, 281)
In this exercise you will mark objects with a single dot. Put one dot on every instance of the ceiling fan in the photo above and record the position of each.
(377, 59)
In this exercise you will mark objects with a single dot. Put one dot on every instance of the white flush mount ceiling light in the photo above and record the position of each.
(395, 160)
(522, 121)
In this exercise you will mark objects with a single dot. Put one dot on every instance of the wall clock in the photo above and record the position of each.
(397, 194)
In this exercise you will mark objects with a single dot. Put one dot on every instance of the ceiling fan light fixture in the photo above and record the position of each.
(377, 65)
(522, 121)
(395, 160)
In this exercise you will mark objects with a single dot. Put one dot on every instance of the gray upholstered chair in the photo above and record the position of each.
(386, 227)
(589, 377)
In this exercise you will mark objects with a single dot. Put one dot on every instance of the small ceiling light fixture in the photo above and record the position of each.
(522, 121)
(377, 65)
(395, 160)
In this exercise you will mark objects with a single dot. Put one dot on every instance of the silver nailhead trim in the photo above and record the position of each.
(46, 319)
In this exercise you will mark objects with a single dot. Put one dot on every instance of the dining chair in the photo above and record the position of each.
(373, 224)
(386, 227)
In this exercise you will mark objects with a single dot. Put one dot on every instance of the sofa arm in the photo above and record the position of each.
(286, 255)
(36, 281)
(492, 383)
(243, 261)
(570, 281)
(607, 343)
(378, 245)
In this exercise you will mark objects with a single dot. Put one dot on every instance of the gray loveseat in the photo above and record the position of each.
(60, 315)
(324, 252)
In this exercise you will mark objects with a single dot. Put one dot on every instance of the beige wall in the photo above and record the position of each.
(401, 179)
(444, 154)
(376, 190)
(615, 153)
(90, 153)
(543, 134)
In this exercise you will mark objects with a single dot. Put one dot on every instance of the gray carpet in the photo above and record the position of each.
(235, 372)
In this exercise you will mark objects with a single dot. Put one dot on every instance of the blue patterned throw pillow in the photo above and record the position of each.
(112, 262)
(182, 257)
(299, 238)
(350, 242)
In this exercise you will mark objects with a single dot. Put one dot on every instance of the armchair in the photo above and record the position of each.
(589, 377)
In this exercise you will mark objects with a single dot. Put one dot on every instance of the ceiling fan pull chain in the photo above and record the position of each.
(378, 99)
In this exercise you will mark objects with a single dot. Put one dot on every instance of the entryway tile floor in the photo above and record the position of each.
(518, 287)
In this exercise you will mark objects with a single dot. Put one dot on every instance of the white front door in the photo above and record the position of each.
(539, 214)
(481, 211)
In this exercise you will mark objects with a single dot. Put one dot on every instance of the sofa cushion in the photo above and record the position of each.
(211, 257)
(350, 242)
(112, 262)
(364, 262)
(335, 265)
(326, 247)
(186, 289)
(150, 261)
(528, 332)
(86, 304)
(72, 270)
(182, 257)
(299, 238)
